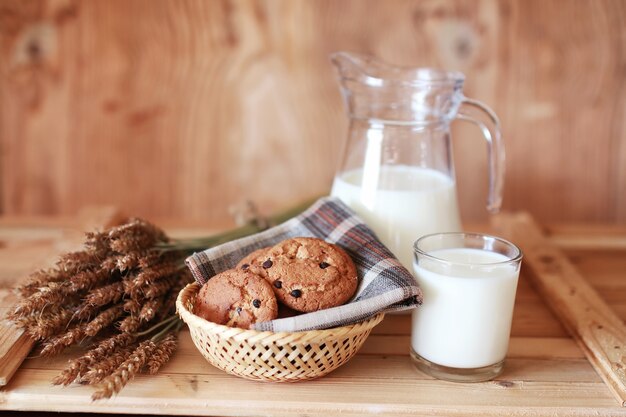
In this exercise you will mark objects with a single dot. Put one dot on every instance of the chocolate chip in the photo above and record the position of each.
(278, 284)
(268, 264)
(324, 265)
(256, 303)
(245, 266)
(296, 293)
(238, 310)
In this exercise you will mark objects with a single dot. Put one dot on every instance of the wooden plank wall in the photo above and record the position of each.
(183, 108)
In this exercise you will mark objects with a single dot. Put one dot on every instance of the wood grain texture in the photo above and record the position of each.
(15, 344)
(589, 319)
(546, 373)
(352, 390)
(182, 109)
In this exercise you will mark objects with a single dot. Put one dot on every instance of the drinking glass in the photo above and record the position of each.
(461, 331)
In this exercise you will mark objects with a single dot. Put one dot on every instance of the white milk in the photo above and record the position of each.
(465, 320)
(401, 203)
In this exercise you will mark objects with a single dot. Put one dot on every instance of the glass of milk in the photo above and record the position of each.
(461, 331)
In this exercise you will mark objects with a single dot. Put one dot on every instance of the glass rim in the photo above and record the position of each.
(515, 259)
(406, 76)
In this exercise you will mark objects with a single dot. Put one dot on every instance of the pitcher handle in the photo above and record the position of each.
(482, 116)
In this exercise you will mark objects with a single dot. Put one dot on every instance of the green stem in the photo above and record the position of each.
(194, 244)
(165, 331)
(162, 323)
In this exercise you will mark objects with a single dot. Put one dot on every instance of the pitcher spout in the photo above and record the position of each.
(360, 68)
(368, 70)
(373, 89)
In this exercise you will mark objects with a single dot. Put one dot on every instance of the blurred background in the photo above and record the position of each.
(182, 108)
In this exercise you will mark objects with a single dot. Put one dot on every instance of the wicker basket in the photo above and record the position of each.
(270, 356)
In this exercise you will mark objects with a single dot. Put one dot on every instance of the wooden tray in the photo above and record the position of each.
(546, 371)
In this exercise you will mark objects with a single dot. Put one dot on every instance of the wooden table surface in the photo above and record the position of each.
(546, 372)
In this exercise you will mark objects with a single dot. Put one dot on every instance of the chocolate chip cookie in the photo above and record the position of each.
(307, 274)
(236, 298)
(253, 259)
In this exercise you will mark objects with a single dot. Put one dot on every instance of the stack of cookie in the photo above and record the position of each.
(303, 274)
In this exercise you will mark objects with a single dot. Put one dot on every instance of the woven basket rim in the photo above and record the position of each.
(308, 336)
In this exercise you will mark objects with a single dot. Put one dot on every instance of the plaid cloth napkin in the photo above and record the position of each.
(384, 284)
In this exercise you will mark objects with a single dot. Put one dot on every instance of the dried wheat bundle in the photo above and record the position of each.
(115, 298)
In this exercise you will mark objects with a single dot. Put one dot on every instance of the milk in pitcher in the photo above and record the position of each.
(400, 203)
(396, 170)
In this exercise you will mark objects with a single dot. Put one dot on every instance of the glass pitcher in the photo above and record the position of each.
(397, 171)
